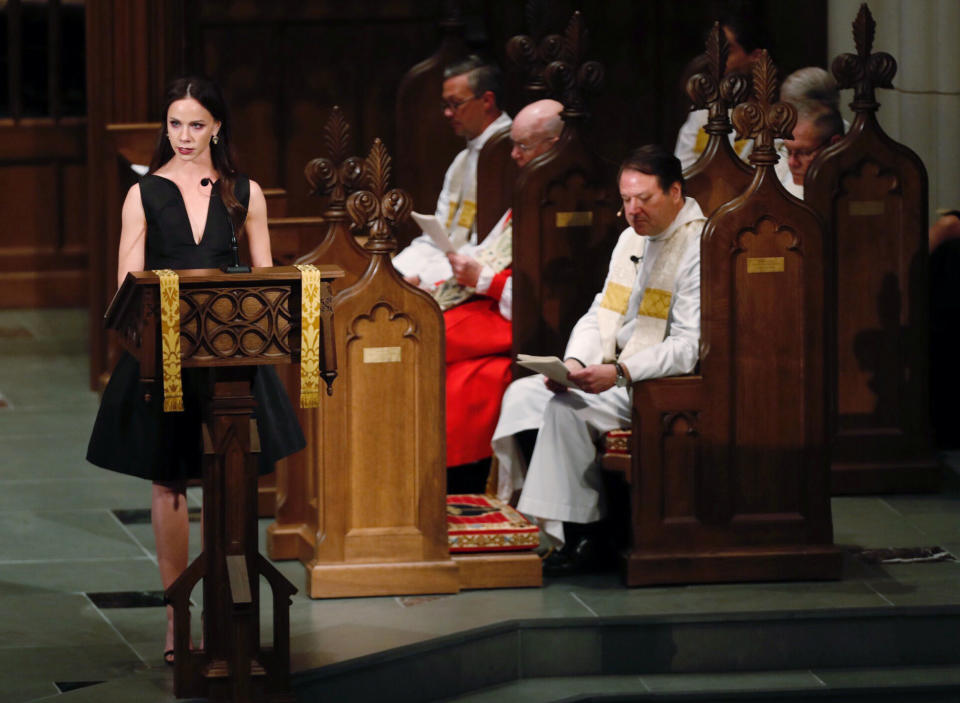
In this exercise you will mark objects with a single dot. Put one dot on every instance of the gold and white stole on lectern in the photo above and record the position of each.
(651, 322)
(170, 340)
(496, 251)
(310, 300)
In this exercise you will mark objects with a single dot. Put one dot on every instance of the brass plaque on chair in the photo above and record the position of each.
(575, 219)
(765, 264)
(381, 355)
(866, 208)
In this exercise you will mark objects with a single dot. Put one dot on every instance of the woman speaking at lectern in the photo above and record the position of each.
(181, 215)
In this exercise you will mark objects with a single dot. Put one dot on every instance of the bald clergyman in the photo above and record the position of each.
(477, 302)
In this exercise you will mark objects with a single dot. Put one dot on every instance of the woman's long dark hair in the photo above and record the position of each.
(208, 94)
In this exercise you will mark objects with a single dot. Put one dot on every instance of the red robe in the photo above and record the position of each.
(478, 372)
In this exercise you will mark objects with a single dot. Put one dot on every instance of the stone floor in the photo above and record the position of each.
(80, 618)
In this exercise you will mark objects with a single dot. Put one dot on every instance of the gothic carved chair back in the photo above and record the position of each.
(719, 175)
(730, 471)
(425, 143)
(872, 193)
(528, 55)
(564, 214)
(334, 177)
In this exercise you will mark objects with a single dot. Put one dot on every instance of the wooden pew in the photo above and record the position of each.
(496, 177)
(730, 470)
(425, 143)
(564, 215)
(872, 193)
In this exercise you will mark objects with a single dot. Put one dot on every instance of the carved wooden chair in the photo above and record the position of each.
(730, 469)
(717, 177)
(564, 213)
(872, 193)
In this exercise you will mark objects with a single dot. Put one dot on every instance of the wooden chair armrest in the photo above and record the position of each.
(673, 393)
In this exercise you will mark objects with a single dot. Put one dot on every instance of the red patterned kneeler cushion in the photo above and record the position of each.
(617, 442)
(478, 523)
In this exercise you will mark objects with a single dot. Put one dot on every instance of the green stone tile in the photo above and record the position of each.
(46, 422)
(69, 535)
(69, 662)
(742, 681)
(143, 533)
(871, 523)
(17, 690)
(133, 574)
(546, 690)
(150, 686)
(930, 591)
(899, 676)
(732, 598)
(51, 620)
(574, 651)
(39, 457)
(937, 517)
(107, 493)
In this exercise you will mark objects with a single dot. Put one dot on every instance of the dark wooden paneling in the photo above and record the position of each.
(43, 259)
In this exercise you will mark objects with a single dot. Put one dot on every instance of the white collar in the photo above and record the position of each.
(689, 212)
(503, 120)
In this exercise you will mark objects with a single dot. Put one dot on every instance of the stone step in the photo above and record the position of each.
(814, 647)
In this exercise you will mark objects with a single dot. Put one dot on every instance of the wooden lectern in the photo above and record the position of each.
(230, 323)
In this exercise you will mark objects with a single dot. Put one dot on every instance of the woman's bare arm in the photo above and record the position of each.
(133, 235)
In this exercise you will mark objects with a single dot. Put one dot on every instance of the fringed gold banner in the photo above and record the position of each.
(170, 340)
(309, 336)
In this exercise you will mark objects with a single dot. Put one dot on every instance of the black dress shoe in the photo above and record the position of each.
(582, 556)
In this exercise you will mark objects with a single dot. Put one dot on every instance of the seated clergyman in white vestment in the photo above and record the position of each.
(471, 91)
(644, 324)
(814, 93)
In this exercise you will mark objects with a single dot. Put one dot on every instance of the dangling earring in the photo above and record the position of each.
(215, 139)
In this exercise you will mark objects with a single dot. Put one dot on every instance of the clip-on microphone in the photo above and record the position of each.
(236, 266)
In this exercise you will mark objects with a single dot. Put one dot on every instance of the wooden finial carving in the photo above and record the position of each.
(532, 53)
(763, 118)
(714, 91)
(378, 211)
(337, 174)
(570, 78)
(452, 16)
(864, 71)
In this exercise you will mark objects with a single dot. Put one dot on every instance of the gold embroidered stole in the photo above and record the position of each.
(310, 300)
(651, 322)
(170, 340)
(463, 202)
(495, 252)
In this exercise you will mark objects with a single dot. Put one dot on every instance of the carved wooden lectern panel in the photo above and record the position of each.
(872, 193)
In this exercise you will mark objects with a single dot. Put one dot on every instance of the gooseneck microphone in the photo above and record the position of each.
(236, 266)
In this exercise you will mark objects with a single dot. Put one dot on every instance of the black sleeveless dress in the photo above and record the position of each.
(137, 438)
